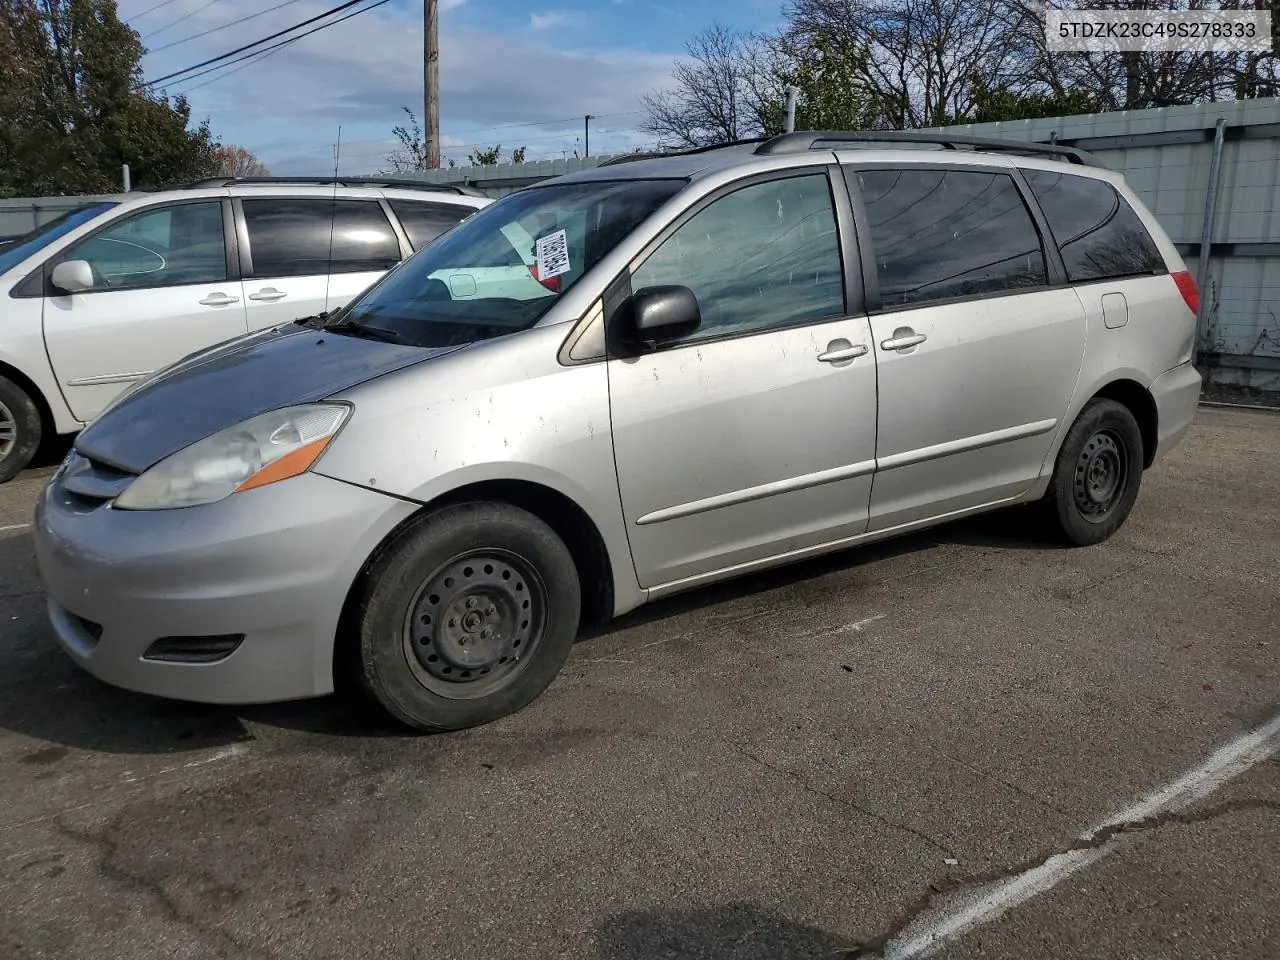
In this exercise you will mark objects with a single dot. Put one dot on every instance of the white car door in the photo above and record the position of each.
(163, 288)
(290, 245)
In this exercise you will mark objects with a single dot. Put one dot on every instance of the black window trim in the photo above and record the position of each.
(30, 288)
(1054, 268)
(246, 248)
(406, 241)
(1120, 197)
(619, 289)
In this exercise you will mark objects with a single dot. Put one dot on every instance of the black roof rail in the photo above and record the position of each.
(401, 182)
(653, 154)
(802, 142)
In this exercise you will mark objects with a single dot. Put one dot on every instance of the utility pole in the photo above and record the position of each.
(431, 80)
(586, 135)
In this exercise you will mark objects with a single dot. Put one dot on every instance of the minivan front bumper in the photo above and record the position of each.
(1176, 393)
(272, 566)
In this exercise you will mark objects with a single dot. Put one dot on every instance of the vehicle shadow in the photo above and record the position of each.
(733, 931)
(45, 696)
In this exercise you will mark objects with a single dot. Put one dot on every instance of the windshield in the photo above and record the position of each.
(20, 248)
(504, 268)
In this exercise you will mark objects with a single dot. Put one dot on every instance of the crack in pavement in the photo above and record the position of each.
(1092, 841)
(225, 944)
(805, 785)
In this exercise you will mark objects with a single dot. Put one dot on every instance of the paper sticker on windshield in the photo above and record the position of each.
(553, 255)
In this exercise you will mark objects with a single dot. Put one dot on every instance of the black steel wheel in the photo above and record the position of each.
(20, 429)
(466, 615)
(475, 623)
(1097, 475)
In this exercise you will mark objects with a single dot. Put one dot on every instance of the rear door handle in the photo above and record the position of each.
(903, 339)
(844, 353)
(219, 300)
(269, 294)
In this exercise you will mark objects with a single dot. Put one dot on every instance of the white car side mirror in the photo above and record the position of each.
(73, 276)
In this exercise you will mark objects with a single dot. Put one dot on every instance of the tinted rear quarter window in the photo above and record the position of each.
(1099, 234)
(943, 234)
(292, 237)
(423, 222)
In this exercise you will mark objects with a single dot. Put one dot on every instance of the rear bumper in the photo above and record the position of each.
(1176, 393)
(272, 565)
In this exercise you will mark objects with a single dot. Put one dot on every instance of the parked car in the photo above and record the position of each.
(113, 291)
(751, 355)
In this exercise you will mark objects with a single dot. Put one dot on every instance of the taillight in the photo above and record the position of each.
(1187, 287)
(551, 283)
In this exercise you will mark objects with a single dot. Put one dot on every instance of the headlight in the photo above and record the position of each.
(270, 447)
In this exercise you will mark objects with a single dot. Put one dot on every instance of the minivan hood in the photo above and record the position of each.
(225, 385)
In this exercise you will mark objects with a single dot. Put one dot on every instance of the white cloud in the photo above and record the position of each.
(287, 106)
(545, 21)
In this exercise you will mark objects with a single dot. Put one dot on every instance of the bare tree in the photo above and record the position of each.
(923, 58)
(1135, 80)
(236, 161)
(411, 155)
(717, 92)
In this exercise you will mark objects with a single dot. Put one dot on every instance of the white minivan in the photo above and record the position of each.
(115, 290)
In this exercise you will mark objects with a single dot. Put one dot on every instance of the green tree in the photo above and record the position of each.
(828, 73)
(1001, 103)
(73, 107)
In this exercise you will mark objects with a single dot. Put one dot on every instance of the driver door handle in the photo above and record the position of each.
(219, 300)
(843, 353)
(903, 339)
(269, 294)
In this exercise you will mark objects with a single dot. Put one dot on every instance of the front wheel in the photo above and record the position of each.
(467, 616)
(1097, 474)
(20, 429)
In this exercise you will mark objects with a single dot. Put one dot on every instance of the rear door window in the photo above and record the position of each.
(1099, 234)
(423, 222)
(944, 234)
(312, 237)
(160, 247)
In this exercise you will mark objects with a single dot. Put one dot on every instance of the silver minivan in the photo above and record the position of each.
(729, 359)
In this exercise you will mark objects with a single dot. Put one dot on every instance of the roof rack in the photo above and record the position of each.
(652, 154)
(803, 142)
(402, 182)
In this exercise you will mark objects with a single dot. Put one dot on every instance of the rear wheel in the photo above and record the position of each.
(20, 429)
(467, 616)
(1097, 475)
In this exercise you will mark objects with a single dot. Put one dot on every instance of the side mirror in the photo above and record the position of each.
(73, 276)
(663, 313)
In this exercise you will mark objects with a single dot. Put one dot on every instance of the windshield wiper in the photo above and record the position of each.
(322, 316)
(349, 326)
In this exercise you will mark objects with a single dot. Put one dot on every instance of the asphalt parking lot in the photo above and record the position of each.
(809, 763)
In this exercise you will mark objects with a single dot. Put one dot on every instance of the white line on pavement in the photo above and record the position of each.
(14, 526)
(931, 931)
(857, 626)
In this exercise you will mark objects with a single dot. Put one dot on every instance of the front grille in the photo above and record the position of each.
(86, 482)
(194, 649)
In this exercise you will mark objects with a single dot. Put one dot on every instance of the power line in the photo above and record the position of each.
(185, 16)
(278, 33)
(197, 36)
(250, 61)
(276, 46)
(162, 3)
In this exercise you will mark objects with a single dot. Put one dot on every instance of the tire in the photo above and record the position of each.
(1097, 474)
(465, 616)
(20, 429)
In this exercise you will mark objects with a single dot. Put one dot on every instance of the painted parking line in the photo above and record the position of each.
(932, 930)
(15, 526)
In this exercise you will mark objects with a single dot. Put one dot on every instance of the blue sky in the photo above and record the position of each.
(511, 72)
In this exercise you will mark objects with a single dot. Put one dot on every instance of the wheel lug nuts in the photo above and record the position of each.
(471, 602)
(491, 610)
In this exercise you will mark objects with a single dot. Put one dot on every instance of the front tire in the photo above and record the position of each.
(467, 616)
(20, 429)
(1097, 474)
